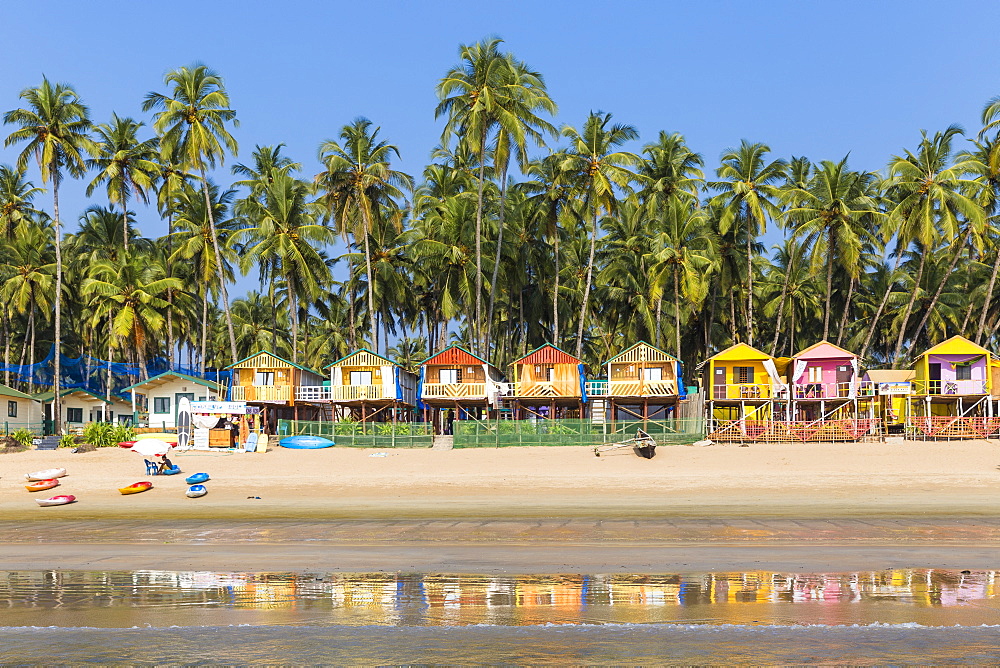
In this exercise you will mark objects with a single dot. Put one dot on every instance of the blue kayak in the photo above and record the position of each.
(196, 478)
(171, 471)
(303, 442)
(194, 491)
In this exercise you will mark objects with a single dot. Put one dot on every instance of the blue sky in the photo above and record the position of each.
(808, 78)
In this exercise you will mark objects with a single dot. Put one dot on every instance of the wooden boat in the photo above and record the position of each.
(136, 488)
(194, 491)
(42, 485)
(196, 478)
(642, 444)
(59, 500)
(47, 474)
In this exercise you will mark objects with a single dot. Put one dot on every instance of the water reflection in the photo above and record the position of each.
(198, 597)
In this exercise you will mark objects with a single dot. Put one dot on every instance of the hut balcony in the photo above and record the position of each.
(950, 387)
(740, 391)
(642, 388)
(272, 393)
(544, 389)
(848, 390)
(454, 391)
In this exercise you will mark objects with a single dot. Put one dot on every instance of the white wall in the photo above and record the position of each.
(29, 414)
(170, 390)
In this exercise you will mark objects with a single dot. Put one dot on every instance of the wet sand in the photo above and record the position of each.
(518, 510)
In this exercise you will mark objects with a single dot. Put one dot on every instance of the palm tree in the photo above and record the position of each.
(928, 197)
(55, 127)
(358, 185)
(17, 196)
(747, 195)
(838, 207)
(282, 227)
(192, 124)
(492, 95)
(984, 164)
(598, 170)
(125, 165)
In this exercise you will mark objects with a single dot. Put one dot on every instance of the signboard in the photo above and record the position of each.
(896, 387)
(224, 407)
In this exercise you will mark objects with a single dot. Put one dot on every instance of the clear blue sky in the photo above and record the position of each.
(807, 78)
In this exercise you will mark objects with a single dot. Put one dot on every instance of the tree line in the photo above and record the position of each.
(517, 232)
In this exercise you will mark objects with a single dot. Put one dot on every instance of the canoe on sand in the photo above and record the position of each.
(47, 474)
(135, 488)
(41, 485)
(59, 500)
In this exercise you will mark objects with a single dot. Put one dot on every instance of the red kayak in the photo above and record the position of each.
(126, 444)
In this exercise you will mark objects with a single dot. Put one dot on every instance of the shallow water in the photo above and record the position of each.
(903, 615)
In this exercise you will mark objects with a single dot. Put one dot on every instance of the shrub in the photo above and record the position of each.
(67, 441)
(23, 436)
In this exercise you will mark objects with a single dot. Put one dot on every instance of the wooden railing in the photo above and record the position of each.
(261, 393)
(454, 391)
(547, 389)
(742, 391)
(649, 388)
(862, 388)
(949, 387)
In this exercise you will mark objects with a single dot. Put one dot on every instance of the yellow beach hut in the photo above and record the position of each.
(744, 392)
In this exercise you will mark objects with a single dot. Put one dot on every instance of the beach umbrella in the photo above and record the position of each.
(151, 447)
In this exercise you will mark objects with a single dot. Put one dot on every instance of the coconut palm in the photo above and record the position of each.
(599, 172)
(192, 124)
(17, 195)
(55, 130)
(358, 186)
(747, 192)
(125, 166)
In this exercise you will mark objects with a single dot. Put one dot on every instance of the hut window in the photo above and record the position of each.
(654, 374)
(743, 374)
(450, 376)
(11, 409)
(161, 405)
(74, 415)
(361, 378)
(815, 374)
(963, 372)
(263, 378)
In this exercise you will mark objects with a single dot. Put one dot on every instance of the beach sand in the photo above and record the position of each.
(557, 509)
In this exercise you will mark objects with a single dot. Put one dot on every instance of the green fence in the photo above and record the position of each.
(505, 433)
(363, 434)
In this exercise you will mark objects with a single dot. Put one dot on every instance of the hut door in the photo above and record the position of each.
(934, 376)
(844, 374)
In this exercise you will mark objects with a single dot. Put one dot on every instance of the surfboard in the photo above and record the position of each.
(262, 442)
(304, 442)
(251, 444)
(183, 423)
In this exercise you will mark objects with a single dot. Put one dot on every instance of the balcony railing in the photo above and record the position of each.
(547, 389)
(862, 388)
(273, 393)
(742, 391)
(647, 388)
(949, 387)
(597, 388)
(339, 393)
(454, 391)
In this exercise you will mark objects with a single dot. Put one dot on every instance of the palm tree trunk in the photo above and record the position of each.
(749, 287)
(107, 391)
(218, 267)
(293, 314)
(204, 332)
(124, 216)
(475, 331)
(881, 306)
(781, 307)
(829, 285)
(847, 310)
(677, 312)
(352, 326)
(658, 326)
(496, 260)
(6, 347)
(981, 326)
(555, 295)
(31, 355)
(57, 370)
(909, 309)
(170, 291)
(586, 288)
(732, 315)
(944, 280)
(710, 323)
(371, 282)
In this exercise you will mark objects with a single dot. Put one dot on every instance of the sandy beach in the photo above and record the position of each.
(517, 509)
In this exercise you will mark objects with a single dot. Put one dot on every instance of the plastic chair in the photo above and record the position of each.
(152, 468)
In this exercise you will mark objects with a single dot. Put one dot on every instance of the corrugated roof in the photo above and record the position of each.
(343, 360)
(823, 350)
(280, 359)
(650, 346)
(454, 355)
(47, 396)
(11, 392)
(889, 375)
(161, 378)
(547, 354)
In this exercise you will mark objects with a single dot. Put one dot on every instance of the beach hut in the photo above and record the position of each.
(892, 389)
(826, 383)
(547, 383)
(643, 383)
(265, 378)
(457, 385)
(367, 387)
(20, 411)
(162, 393)
(80, 406)
(745, 392)
(954, 379)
